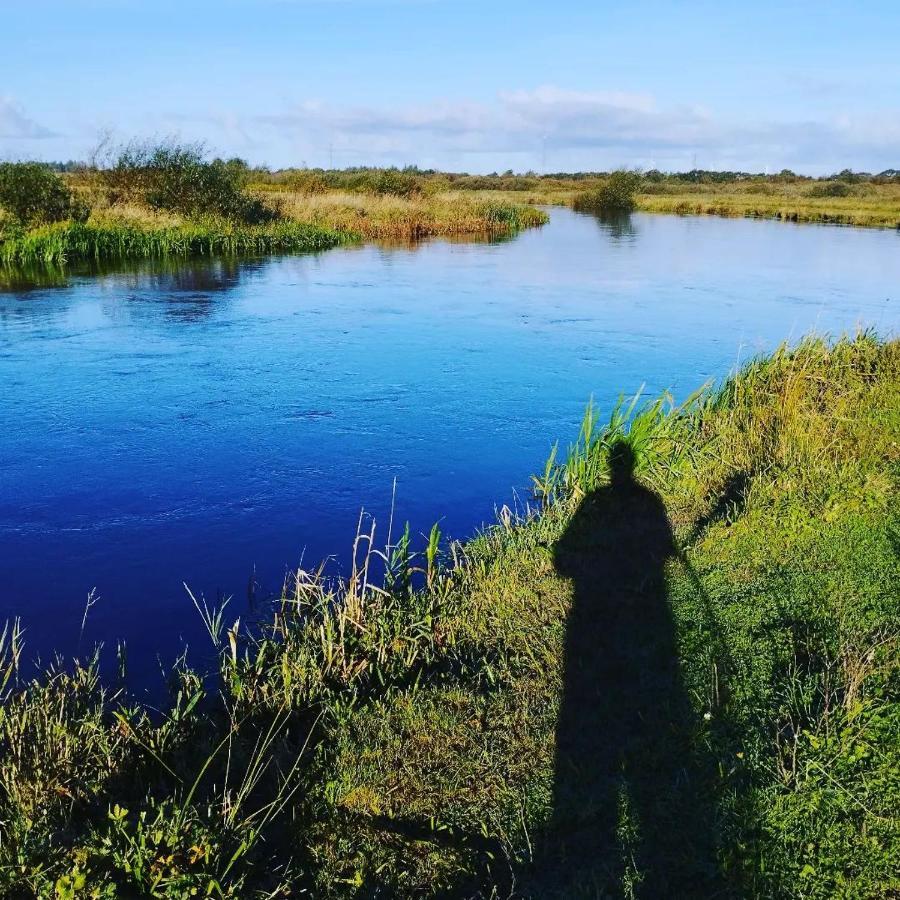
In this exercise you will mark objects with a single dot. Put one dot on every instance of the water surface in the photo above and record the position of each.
(217, 423)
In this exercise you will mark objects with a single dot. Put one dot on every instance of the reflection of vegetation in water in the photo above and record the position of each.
(619, 226)
(176, 273)
(165, 274)
(451, 731)
(181, 289)
(415, 244)
(33, 277)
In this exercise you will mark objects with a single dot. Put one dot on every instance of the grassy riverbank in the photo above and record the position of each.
(166, 199)
(308, 226)
(64, 242)
(678, 677)
(866, 204)
(161, 200)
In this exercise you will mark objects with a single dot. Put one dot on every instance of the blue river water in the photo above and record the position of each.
(218, 423)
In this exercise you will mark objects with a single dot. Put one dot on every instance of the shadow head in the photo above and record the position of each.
(621, 462)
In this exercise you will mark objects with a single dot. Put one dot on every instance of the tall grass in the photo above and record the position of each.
(658, 433)
(394, 217)
(68, 242)
(310, 222)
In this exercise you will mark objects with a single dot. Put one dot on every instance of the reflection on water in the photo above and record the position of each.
(618, 226)
(173, 273)
(25, 278)
(168, 273)
(210, 421)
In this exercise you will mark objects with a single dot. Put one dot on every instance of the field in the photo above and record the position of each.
(676, 674)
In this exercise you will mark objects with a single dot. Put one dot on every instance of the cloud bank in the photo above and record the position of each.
(546, 128)
(553, 128)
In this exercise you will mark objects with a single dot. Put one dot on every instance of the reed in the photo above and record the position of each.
(69, 242)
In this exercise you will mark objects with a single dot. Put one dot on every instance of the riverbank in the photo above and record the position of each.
(300, 211)
(875, 209)
(159, 200)
(65, 242)
(391, 217)
(836, 203)
(313, 227)
(448, 730)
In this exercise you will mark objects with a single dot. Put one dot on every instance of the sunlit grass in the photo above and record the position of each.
(65, 242)
(396, 217)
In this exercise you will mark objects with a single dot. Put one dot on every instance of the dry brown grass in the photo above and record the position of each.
(395, 217)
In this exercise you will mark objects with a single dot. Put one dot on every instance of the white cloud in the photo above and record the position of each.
(546, 128)
(15, 124)
(603, 128)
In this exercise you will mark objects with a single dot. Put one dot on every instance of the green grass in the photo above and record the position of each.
(676, 677)
(320, 227)
(70, 242)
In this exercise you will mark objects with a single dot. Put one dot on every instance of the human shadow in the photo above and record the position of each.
(632, 812)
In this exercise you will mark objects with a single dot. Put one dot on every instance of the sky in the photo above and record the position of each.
(461, 86)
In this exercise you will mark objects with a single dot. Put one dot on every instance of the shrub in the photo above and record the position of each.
(831, 189)
(616, 195)
(304, 181)
(397, 184)
(177, 178)
(392, 182)
(32, 193)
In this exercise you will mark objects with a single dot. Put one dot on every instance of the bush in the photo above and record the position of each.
(178, 178)
(32, 193)
(304, 181)
(397, 184)
(615, 196)
(831, 189)
(390, 182)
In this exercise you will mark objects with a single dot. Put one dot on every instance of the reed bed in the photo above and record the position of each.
(65, 242)
(392, 733)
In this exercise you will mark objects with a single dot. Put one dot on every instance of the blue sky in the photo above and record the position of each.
(475, 86)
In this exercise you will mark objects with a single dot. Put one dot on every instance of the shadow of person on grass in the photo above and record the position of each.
(631, 799)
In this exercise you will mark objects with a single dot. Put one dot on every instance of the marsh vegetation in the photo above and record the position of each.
(166, 197)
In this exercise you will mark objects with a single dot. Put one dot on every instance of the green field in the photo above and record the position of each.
(677, 676)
